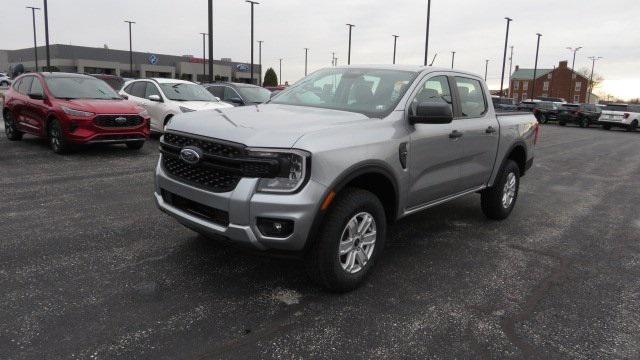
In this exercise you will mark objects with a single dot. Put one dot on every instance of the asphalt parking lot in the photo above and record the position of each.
(90, 269)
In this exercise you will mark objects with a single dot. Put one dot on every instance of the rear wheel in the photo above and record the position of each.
(499, 200)
(584, 123)
(606, 127)
(633, 126)
(349, 242)
(10, 129)
(135, 145)
(57, 141)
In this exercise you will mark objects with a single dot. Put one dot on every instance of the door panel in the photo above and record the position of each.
(434, 157)
(37, 108)
(480, 130)
(155, 109)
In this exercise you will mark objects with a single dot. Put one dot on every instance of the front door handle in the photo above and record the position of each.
(490, 130)
(455, 134)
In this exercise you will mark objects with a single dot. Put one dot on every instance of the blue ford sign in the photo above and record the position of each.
(153, 59)
(243, 67)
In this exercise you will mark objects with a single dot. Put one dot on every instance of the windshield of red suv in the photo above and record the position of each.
(372, 92)
(186, 92)
(80, 88)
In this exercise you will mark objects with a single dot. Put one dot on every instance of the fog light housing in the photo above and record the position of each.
(275, 228)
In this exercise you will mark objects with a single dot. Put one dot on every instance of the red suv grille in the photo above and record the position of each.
(118, 121)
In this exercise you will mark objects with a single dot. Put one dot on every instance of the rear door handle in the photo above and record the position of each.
(490, 130)
(455, 134)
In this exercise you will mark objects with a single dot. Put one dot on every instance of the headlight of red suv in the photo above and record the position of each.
(78, 113)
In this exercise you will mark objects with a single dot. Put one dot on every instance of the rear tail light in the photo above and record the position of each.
(626, 115)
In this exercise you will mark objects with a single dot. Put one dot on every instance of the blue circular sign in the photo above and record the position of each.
(153, 59)
(243, 67)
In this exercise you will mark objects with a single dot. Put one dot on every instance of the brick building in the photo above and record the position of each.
(554, 83)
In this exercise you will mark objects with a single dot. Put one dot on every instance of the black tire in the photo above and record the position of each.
(493, 198)
(4, 83)
(562, 123)
(606, 127)
(633, 126)
(543, 119)
(323, 262)
(13, 134)
(57, 140)
(136, 145)
(584, 123)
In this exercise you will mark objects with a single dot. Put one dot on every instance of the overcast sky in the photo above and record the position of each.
(474, 29)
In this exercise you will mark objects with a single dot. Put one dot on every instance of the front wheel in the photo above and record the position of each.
(584, 123)
(633, 126)
(10, 128)
(543, 119)
(350, 240)
(57, 140)
(499, 200)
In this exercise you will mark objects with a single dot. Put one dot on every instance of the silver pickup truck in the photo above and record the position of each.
(322, 168)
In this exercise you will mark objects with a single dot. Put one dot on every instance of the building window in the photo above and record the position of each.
(545, 95)
(549, 76)
(545, 86)
(515, 85)
(576, 99)
(525, 85)
(578, 86)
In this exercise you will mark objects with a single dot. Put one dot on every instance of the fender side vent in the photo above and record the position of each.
(403, 152)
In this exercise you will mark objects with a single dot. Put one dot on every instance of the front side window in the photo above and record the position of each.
(137, 89)
(36, 88)
(80, 88)
(255, 94)
(151, 89)
(217, 91)
(371, 92)
(472, 101)
(434, 90)
(186, 92)
(25, 85)
(229, 93)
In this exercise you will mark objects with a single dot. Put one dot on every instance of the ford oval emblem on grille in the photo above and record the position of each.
(120, 120)
(191, 154)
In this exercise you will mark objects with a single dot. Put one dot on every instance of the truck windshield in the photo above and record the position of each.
(186, 92)
(372, 92)
(80, 88)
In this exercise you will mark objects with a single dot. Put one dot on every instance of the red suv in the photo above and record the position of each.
(71, 109)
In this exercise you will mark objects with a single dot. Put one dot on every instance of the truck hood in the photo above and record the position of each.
(267, 125)
(203, 105)
(102, 106)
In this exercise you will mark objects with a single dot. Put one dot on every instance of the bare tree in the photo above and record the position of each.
(597, 78)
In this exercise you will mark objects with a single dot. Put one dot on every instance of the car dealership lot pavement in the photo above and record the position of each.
(90, 268)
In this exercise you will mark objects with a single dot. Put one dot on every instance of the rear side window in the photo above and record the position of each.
(36, 87)
(434, 90)
(472, 101)
(137, 89)
(151, 89)
(16, 84)
(229, 93)
(216, 91)
(25, 85)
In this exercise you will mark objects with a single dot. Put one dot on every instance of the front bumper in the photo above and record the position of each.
(84, 131)
(244, 206)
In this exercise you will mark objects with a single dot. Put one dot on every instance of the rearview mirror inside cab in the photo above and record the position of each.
(431, 113)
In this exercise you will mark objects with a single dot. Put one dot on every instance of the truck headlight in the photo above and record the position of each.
(293, 174)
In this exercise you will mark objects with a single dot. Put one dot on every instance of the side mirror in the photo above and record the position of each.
(155, 98)
(432, 113)
(36, 96)
(236, 100)
(217, 98)
(125, 97)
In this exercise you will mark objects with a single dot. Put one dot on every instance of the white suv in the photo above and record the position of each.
(164, 98)
(5, 81)
(620, 115)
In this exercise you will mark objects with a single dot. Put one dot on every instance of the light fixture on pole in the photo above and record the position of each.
(35, 42)
(573, 71)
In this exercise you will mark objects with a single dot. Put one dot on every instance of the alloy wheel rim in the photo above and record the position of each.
(55, 141)
(509, 191)
(8, 128)
(357, 242)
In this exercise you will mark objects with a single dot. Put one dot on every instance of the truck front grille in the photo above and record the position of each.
(196, 209)
(216, 148)
(215, 180)
(118, 121)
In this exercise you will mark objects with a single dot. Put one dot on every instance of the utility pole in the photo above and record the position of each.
(46, 34)
(130, 48)
(349, 52)
(453, 58)
(486, 69)
(510, 66)
(426, 40)
(333, 58)
(204, 57)
(395, 41)
(573, 72)
(252, 3)
(35, 42)
(210, 16)
(260, 60)
(593, 66)
(280, 77)
(535, 69)
(504, 57)
(306, 57)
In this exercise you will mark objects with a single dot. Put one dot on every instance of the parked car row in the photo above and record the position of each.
(5, 80)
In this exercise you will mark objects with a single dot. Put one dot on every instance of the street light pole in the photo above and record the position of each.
(395, 41)
(130, 47)
(486, 69)
(510, 66)
(593, 66)
(252, 3)
(453, 58)
(573, 67)
(260, 61)
(504, 57)
(333, 58)
(349, 52)
(426, 40)
(306, 56)
(280, 77)
(35, 42)
(535, 69)
(210, 30)
(46, 33)
(204, 56)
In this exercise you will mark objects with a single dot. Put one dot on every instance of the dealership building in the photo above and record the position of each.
(82, 59)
